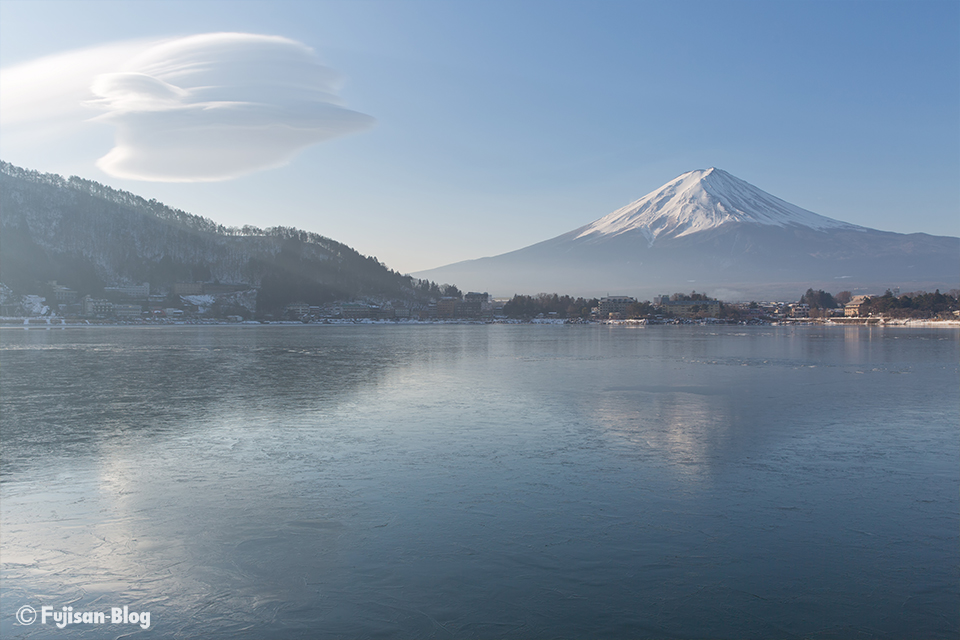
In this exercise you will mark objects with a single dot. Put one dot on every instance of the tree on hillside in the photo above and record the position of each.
(450, 291)
(818, 300)
(683, 297)
(916, 305)
(640, 309)
(521, 306)
(843, 297)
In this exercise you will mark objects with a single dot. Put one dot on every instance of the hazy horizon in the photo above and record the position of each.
(426, 133)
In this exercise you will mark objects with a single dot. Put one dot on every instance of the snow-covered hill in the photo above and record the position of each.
(711, 231)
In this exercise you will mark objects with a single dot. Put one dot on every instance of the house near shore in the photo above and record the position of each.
(858, 307)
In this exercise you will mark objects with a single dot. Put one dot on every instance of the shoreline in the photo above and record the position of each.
(50, 323)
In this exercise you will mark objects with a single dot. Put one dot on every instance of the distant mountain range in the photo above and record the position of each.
(86, 235)
(710, 231)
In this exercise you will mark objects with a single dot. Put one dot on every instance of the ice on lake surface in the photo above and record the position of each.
(483, 481)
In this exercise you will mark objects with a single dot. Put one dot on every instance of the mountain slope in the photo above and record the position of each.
(701, 200)
(711, 231)
(86, 235)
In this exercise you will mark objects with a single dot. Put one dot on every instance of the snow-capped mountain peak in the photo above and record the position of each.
(700, 200)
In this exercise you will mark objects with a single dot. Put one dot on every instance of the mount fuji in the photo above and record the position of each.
(710, 231)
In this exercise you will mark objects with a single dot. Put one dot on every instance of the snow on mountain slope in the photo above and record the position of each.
(702, 200)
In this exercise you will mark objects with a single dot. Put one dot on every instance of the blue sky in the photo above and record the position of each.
(466, 129)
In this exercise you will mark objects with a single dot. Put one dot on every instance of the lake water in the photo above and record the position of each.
(471, 481)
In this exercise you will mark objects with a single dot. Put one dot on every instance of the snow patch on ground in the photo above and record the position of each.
(246, 299)
(199, 300)
(34, 306)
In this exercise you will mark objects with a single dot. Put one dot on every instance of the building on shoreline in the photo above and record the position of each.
(614, 306)
(857, 307)
(687, 308)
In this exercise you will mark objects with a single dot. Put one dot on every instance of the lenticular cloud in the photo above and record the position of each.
(217, 106)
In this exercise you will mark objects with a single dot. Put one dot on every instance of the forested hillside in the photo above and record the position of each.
(86, 235)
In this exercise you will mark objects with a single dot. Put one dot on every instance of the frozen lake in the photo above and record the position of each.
(471, 481)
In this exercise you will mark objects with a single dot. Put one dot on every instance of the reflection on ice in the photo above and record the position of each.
(483, 480)
(677, 426)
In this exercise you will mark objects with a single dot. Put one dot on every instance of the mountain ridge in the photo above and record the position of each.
(707, 229)
(86, 235)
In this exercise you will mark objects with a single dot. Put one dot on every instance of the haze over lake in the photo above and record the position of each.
(468, 481)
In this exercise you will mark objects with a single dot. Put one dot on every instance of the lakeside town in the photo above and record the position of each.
(204, 302)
